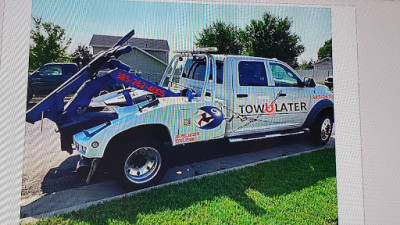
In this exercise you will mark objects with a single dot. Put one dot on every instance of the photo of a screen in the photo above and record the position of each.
(180, 113)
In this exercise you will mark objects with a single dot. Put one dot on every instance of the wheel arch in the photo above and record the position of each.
(151, 130)
(319, 108)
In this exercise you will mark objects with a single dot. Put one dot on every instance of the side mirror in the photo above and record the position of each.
(309, 82)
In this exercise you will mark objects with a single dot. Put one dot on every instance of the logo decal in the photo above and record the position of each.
(274, 108)
(208, 117)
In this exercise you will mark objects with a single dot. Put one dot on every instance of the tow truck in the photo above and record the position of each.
(201, 97)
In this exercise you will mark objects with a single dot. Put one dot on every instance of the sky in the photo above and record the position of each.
(179, 23)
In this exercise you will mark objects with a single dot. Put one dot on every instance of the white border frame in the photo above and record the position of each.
(347, 116)
(14, 58)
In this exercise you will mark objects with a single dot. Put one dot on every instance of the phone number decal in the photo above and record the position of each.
(184, 138)
(140, 84)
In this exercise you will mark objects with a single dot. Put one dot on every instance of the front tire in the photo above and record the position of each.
(321, 129)
(140, 163)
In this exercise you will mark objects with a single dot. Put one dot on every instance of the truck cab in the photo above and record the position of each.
(259, 95)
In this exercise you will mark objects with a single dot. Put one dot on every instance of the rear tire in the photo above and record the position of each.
(321, 129)
(140, 163)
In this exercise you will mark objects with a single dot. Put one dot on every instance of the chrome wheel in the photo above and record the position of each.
(326, 129)
(142, 165)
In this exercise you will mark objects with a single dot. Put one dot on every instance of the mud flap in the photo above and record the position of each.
(93, 167)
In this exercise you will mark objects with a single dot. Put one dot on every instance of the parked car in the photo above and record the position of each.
(48, 77)
(329, 82)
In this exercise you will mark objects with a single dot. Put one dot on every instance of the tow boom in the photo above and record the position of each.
(86, 84)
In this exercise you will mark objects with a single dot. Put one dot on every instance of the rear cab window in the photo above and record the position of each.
(220, 71)
(196, 70)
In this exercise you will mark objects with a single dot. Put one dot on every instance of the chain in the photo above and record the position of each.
(243, 118)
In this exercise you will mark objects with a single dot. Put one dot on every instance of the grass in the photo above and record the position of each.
(295, 190)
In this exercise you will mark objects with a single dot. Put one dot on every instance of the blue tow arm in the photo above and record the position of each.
(87, 84)
(53, 108)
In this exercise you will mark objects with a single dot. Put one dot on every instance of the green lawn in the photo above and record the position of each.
(295, 190)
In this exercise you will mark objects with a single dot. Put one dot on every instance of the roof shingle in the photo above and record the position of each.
(143, 43)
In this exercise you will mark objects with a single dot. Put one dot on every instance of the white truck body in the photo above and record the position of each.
(271, 99)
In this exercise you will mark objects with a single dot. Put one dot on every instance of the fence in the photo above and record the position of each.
(318, 75)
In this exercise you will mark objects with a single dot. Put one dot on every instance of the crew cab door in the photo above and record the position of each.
(293, 104)
(252, 94)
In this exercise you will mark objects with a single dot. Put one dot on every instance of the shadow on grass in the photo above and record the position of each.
(277, 178)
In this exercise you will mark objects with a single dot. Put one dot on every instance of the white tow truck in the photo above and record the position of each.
(239, 98)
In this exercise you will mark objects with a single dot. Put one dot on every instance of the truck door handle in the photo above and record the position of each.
(282, 95)
(242, 95)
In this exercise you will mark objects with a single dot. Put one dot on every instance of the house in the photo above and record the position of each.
(148, 57)
(323, 64)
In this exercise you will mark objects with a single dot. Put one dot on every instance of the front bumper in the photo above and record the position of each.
(89, 143)
(86, 121)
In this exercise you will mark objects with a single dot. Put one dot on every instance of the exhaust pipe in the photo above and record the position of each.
(83, 167)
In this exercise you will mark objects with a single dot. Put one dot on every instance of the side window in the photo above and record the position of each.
(252, 74)
(70, 70)
(51, 71)
(282, 76)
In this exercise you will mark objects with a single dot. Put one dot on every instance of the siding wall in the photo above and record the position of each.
(162, 55)
(152, 70)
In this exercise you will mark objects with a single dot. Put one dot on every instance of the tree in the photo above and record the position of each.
(271, 37)
(223, 36)
(304, 65)
(49, 44)
(81, 55)
(326, 50)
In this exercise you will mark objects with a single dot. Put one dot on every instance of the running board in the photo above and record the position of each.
(269, 135)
